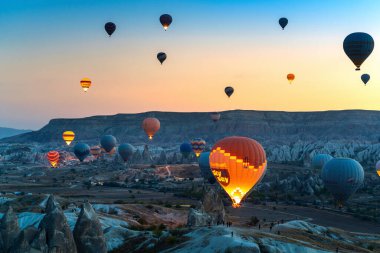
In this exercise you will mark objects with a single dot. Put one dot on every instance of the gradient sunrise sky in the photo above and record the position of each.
(47, 46)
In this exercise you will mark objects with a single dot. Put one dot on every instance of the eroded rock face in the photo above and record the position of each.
(59, 238)
(88, 233)
(9, 230)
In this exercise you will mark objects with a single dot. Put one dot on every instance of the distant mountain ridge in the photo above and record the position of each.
(274, 127)
(8, 132)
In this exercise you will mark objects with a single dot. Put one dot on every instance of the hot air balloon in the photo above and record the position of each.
(85, 83)
(320, 160)
(283, 22)
(53, 158)
(204, 165)
(108, 143)
(81, 151)
(151, 126)
(215, 116)
(126, 151)
(238, 164)
(68, 137)
(365, 78)
(95, 151)
(229, 91)
(290, 77)
(185, 149)
(198, 145)
(378, 168)
(358, 46)
(342, 177)
(166, 20)
(161, 57)
(110, 28)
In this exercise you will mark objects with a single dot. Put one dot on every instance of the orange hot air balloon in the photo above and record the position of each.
(290, 77)
(85, 83)
(151, 126)
(53, 158)
(68, 137)
(96, 151)
(238, 164)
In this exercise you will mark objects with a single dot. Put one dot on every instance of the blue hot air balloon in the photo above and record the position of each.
(342, 177)
(365, 78)
(204, 165)
(358, 46)
(320, 160)
(186, 149)
(126, 151)
(283, 22)
(108, 142)
(81, 151)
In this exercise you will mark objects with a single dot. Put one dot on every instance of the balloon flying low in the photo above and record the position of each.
(85, 83)
(166, 20)
(358, 46)
(151, 126)
(238, 164)
(68, 137)
(53, 158)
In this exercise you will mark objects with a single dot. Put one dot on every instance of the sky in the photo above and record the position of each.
(47, 47)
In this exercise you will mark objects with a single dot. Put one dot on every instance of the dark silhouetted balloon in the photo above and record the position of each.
(108, 143)
(166, 20)
(365, 78)
(126, 151)
(283, 22)
(358, 46)
(161, 57)
(342, 177)
(81, 151)
(185, 149)
(110, 28)
(229, 91)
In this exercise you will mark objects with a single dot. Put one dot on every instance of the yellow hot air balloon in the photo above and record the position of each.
(85, 83)
(68, 137)
(238, 164)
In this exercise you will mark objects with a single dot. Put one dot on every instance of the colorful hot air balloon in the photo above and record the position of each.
(68, 137)
(358, 46)
(283, 22)
(166, 20)
(53, 158)
(151, 126)
(198, 145)
(320, 160)
(81, 151)
(342, 177)
(290, 77)
(378, 168)
(108, 143)
(95, 151)
(229, 91)
(238, 164)
(126, 151)
(110, 28)
(185, 149)
(215, 116)
(161, 56)
(85, 83)
(204, 165)
(365, 78)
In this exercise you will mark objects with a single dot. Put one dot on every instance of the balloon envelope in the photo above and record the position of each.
(53, 158)
(110, 28)
(229, 91)
(185, 149)
(161, 57)
(365, 78)
(358, 46)
(166, 20)
(238, 164)
(85, 83)
(198, 145)
(108, 142)
(68, 137)
(151, 126)
(283, 22)
(320, 160)
(81, 151)
(342, 177)
(126, 151)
